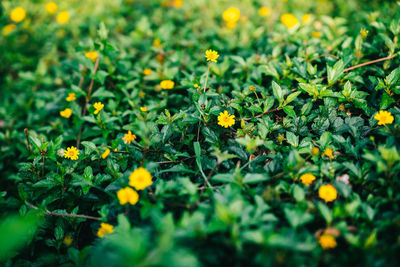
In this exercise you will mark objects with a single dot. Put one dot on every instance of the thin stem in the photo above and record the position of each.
(206, 182)
(87, 100)
(47, 212)
(369, 63)
(27, 139)
(208, 71)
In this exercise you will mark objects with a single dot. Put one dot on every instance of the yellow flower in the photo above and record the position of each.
(92, 55)
(196, 85)
(307, 178)
(66, 113)
(68, 240)
(71, 97)
(105, 153)
(98, 107)
(71, 153)
(232, 14)
(264, 11)
(252, 88)
(51, 7)
(306, 18)
(384, 117)
(363, 33)
(157, 42)
(127, 195)
(129, 137)
(63, 17)
(327, 192)
(329, 153)
(9, 29)
(147, 72)
(18, 14)
(177, 3)
(105, 229)
(141, 94)
(289, 20)
(327, 241)
(211, 55)
(144, 109)
(316, 34)
(115, 149)
(315, 151)
(225, 119)
(167, 84)
(140, 179)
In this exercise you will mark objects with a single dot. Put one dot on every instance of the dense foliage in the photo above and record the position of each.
(199, 133)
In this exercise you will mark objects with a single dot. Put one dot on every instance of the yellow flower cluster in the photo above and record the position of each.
(105, 229)
(231, 16)
(139, 179)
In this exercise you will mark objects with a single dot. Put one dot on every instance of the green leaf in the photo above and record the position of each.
(292, 97)
(325, 212)
(297, 217)
(278, 92)
(289, 110)
(335, 72)
(292, 139)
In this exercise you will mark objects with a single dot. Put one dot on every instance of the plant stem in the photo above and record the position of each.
(208, 71)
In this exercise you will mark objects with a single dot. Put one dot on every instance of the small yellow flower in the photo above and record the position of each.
(115, 149)
(307, 178)
(127, 195)
(129, 137)
(71, 153)
(329, 153)
(306, 18)
(315, 151)
(105, 229)
(68, 240)
(71, 97)
(140, 179)
(264, 11)
(157, 42)
(280, 138)
(196, 85)
(98, 107)
(363, 33)
(177, 3)
(167, 84)
(327, 241)
(92, 55)
(147, 72)
(316, 34)
(252, 88)
(289, 20)
(212, 55)
(9, 29)
(232, 14)
(141, 94)
(66, 113)
(105, 153)
(63, 17)
(51, 7)
(144, 109)
(384, 117)
(225, 119)
(18, 14)
(327, 192)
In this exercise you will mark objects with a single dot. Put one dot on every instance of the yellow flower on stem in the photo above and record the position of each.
(327, 192)
(225, 119)
(327, 241)
(9, 29)
(157, 42)
(51, 7)
(140, 179)
(127, 195)
(384, 117)
(315, 151)
(144, 109)
(196, 85)
(212, 55)
(105, 153)
(68, 240)
(129, 137)
(289, 20)
(66, 113)
(316, 34)
(264, 11)
(63, 17)
(92, 55)
(147, 72)
(231, 15)
(329, 153)
(98, 107)
(18, 14)
(71, 153)
(307, 178)
(167, 84)
(71, 97)
(105, 229)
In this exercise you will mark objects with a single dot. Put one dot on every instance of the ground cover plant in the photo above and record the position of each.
(199, 133)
